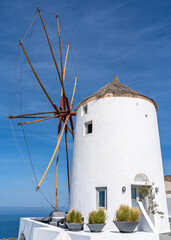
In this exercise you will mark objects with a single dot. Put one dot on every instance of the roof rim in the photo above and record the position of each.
(115, 89)
(89, 99)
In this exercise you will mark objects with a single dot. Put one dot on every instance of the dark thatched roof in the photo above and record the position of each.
(115, 89)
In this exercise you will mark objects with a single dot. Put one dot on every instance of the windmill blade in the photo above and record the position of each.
(66, 144)
(73, 94)
(60, 47)
(62, 102)
(64, 113)
(57, 164)
(39, 120)
(54, 153)
(66, 58)
(71, 104)
(62, 85)
(33, 117)
(65, 102)
(57, 168)
(65, 70)
(54, 106)
(70, 131)
(72, 124)
(28, 114)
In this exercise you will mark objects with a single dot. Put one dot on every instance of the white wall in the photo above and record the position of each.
(39, 231)
(125, 142)
(169, 204)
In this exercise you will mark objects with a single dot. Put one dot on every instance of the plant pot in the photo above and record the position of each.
(75, 226)
(96, 227)
(126, 227)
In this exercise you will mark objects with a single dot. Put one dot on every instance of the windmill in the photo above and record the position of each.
(64, 112)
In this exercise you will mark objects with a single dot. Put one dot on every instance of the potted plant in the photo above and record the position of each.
(96, 220)
(74, 220)
(127, 218)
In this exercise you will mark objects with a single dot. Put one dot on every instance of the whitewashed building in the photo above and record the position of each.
(168, 194)
(116, 149)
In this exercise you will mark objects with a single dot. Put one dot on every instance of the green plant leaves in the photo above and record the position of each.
(127, 214)
(74, 217)
(97, 217)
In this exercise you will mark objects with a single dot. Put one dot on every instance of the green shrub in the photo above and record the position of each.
(123, 213)
(74, 217)
(78, 217)
(92, 216)
(127, 214)
(97, 217)
(134, 214)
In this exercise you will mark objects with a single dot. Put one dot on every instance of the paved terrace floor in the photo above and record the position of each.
(34, 230)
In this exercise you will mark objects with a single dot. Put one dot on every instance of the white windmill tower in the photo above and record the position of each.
(116, 148)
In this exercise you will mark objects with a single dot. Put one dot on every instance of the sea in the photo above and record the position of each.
(10, 218)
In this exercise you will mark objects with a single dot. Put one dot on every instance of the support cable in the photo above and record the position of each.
(21, 155)
(29, 154)
(22, 125)
(12, 86)
(72, 55)
(14, 95)
(46, 199)
(27, 169)
(21, 87)
(47, 12)
(64, 205)
(30, 26)
(26, 139)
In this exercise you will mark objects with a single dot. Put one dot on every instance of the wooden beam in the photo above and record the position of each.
(34, 117)
(73, 94)
(54, 153)
(62, 101)
(39, 120)
(60, 47)
(71, 104)
(52, 52)
(66, 58)
(57, 163)
(54, 106)
(29, 114)
(57, 168)
(70, 131)
(67, 103)
(66, 144)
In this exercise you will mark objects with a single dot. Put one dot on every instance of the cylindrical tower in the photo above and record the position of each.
(116, 149)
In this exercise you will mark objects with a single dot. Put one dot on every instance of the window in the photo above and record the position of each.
(101, 197)
(84, 109)
(88, 127)
(135, 195)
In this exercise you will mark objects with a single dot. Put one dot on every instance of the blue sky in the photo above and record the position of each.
(131, 39)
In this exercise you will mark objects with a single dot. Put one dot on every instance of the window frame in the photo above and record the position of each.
(86, 124)
(98, 190)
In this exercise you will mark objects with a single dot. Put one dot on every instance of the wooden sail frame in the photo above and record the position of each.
(64, 113)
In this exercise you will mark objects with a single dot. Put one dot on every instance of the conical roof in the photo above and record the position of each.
(115, 89)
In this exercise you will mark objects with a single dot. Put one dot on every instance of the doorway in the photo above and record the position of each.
(135, 195)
